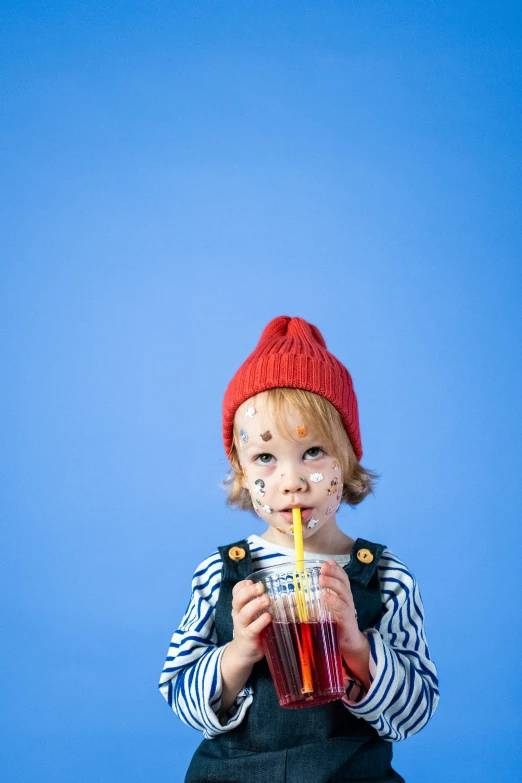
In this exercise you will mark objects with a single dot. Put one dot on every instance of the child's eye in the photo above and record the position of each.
(264, 459)
(314, 452)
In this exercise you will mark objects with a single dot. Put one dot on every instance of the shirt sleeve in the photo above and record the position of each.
(191, 677)
(403, 692)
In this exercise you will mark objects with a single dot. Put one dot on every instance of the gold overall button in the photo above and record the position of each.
(365, 556)
(236, 553)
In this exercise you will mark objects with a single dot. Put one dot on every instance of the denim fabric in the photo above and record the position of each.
(324, 744)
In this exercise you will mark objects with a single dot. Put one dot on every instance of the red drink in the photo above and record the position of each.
(305, 662)
(300, 644)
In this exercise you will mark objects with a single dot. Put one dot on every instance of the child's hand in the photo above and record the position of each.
(353, 644)
(247, 626)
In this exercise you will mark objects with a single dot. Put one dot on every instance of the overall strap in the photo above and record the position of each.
(237, 565)
(364, 582)
(364, 561)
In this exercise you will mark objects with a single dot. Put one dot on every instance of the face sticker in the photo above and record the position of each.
(282, 475)
(301, 431)
(243, 435)
(291, 531)
(335, 465)
(339, 494)
(266, 435)
(332, 489)
(267, 509)
(280, 530)
(258, 502)
(250, 413)
(260, 487)
(330, 509)
(315, 477)
(302, 480)
(312, 524)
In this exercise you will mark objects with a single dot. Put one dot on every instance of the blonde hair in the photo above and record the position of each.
(320, 416)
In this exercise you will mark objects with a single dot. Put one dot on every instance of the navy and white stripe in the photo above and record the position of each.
(404, 690)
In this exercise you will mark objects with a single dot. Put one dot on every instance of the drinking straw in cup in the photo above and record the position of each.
(300, 644)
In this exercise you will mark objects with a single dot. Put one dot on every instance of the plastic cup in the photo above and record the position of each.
(301, 647)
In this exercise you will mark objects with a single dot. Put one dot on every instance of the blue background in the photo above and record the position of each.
(175, 175)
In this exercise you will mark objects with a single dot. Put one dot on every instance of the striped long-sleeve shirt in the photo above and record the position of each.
(403, 692)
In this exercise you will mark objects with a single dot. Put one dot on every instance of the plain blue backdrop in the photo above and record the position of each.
(175, 174)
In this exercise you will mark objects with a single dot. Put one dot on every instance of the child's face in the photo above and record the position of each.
(282, 473)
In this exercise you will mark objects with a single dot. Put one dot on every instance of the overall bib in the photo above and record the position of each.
(324, 744)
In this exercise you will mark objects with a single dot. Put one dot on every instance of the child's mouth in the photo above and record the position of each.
(306, 514)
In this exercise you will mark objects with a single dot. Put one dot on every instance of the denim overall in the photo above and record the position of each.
(324, 744)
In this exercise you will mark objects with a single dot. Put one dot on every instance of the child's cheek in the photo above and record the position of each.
(258, 493)
(329, 487)
(259, 488)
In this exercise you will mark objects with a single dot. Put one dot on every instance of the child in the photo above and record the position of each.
(291, 432)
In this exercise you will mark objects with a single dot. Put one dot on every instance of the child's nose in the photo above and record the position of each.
(292, 481)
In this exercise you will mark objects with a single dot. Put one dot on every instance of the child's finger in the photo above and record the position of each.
(243, 592)
(335, 579)
(255, 628)
(249, 612)
(332, 583)
(331, 568)
(240, 586)
(339, 604)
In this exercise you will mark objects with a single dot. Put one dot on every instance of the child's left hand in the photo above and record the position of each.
(353, 644)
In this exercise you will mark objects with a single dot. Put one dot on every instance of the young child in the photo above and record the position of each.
(291, 432)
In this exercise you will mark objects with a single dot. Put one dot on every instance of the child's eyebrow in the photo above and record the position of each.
(258, 448)
(253, 444)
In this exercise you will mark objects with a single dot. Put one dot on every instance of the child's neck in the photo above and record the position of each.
(330, 540)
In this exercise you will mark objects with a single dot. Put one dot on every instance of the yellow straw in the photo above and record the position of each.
(298, 534)
(299, 558)
(304, 644)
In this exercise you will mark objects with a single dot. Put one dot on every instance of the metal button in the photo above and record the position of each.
(236, 553)
(365, 556)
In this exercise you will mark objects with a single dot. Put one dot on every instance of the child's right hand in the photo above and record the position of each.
(247, 626)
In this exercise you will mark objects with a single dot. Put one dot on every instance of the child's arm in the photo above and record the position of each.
(234, 676)
(191, 680)
(245, 648)
(403, 694)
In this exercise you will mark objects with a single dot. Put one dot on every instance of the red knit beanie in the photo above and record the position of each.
(292, 353)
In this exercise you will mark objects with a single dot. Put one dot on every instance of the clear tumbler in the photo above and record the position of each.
(301, 644)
